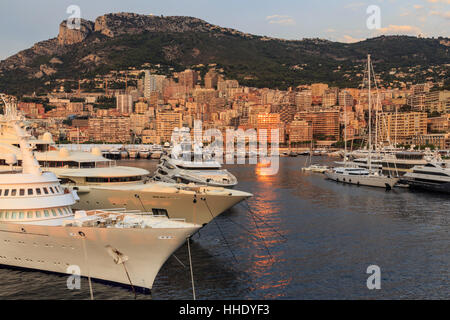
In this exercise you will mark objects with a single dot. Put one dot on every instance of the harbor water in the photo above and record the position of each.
(304, 238)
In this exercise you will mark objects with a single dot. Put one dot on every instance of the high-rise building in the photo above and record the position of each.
(110, 129)
(153, 83)
(345, 98)
(269, 122)
(211, 79)
(166, 122)
(438, 101)
(401, 126)
(318, 89)
(303, 100)
(325, 124)
(124, 103)
(329, 100)
(188, 78)
(141, 107)
(300, 131)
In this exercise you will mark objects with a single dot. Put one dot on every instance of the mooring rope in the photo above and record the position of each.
(220, 230)
(129, 279)
(190, 266)
(83, 237)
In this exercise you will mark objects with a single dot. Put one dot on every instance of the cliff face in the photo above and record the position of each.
(69, 36)
(109, 26)
(113, 25)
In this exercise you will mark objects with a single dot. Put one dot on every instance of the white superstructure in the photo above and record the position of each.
(205, 172)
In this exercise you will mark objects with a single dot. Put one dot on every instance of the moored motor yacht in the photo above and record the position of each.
(431, 177)
(39, 230)
(205, 172)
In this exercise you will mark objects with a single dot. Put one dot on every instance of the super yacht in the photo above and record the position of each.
(102, 184)
(39, 230)
(400, 163)
(431, 176)
(205, 172)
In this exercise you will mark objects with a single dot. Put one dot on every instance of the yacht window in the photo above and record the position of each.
(60, 212)
(30, 215)
(13, 192)
(38, 191)
(54, 212)
(46, 213)
(22, 192)
(160, 212)
(6, 192)
(69, 210)
(21, 215)
(14, 215)
(1, 214)
(38, 214)
(51, 190)
(1, 191)
(6, 215)
(45, 190)
(30, 192)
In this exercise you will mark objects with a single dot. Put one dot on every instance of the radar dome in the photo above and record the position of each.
(10, 159)
(47, 136)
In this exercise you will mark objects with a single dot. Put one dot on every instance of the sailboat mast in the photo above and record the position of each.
(345, 127)
(370, 115)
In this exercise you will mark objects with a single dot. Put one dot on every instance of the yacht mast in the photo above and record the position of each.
(345, 128)
(370, 117)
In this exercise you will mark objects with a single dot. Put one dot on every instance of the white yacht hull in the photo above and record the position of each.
(197, 208)
(55, 248)
(370, 180)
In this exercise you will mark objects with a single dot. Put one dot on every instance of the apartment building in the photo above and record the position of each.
(325, 124)
(110, 130)
(166, 122)
(401, 126)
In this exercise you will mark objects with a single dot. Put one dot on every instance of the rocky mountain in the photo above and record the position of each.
(122, 40)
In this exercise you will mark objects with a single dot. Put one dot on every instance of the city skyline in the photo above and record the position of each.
(285, 19)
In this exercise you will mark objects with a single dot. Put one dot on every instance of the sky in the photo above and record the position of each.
(25, 22)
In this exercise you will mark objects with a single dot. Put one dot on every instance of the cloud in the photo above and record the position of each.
(396, 29)
(276, 16)
(354, 5)
(281, 19)
(349, 39)
(439, 1)
(330, 30)
(445, 15)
